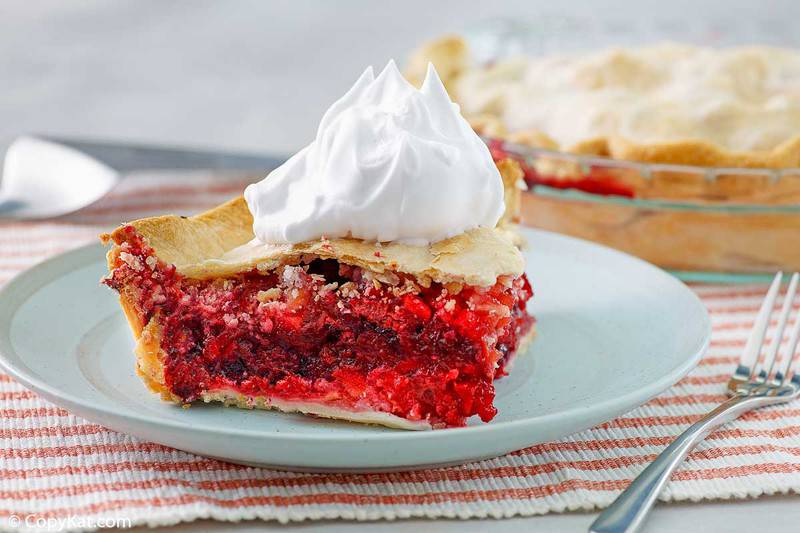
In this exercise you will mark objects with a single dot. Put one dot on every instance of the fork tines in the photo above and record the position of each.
(754, 367)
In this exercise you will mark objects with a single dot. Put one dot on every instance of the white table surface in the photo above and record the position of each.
(257, 76)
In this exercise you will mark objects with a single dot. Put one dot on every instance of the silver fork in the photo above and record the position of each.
(757, 382)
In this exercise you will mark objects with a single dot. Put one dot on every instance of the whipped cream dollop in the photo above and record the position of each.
(389, 163)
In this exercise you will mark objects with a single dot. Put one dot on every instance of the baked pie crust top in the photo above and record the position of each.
(220, 243)
(669, 103)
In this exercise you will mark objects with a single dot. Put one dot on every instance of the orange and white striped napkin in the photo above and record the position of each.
(55, 466)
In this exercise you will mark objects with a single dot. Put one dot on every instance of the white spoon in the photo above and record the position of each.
(42, 179)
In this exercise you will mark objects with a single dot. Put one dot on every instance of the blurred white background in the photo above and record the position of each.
(253, 75)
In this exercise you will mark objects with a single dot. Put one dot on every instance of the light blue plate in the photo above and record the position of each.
(614, 331)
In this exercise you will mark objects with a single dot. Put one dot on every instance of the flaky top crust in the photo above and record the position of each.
(452, 59)
(221, 243)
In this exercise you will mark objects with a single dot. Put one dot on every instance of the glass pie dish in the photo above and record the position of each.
(705, 223)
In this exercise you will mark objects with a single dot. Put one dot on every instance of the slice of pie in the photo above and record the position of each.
(404, 336)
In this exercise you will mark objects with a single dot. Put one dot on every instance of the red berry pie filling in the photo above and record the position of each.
(325, 337)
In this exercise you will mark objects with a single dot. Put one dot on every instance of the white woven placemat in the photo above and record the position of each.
(55, 466)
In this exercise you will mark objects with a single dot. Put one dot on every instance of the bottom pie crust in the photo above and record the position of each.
(231, 398)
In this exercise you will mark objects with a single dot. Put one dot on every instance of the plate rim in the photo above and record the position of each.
(86, 254)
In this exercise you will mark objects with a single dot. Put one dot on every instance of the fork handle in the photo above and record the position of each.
(627, 513)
